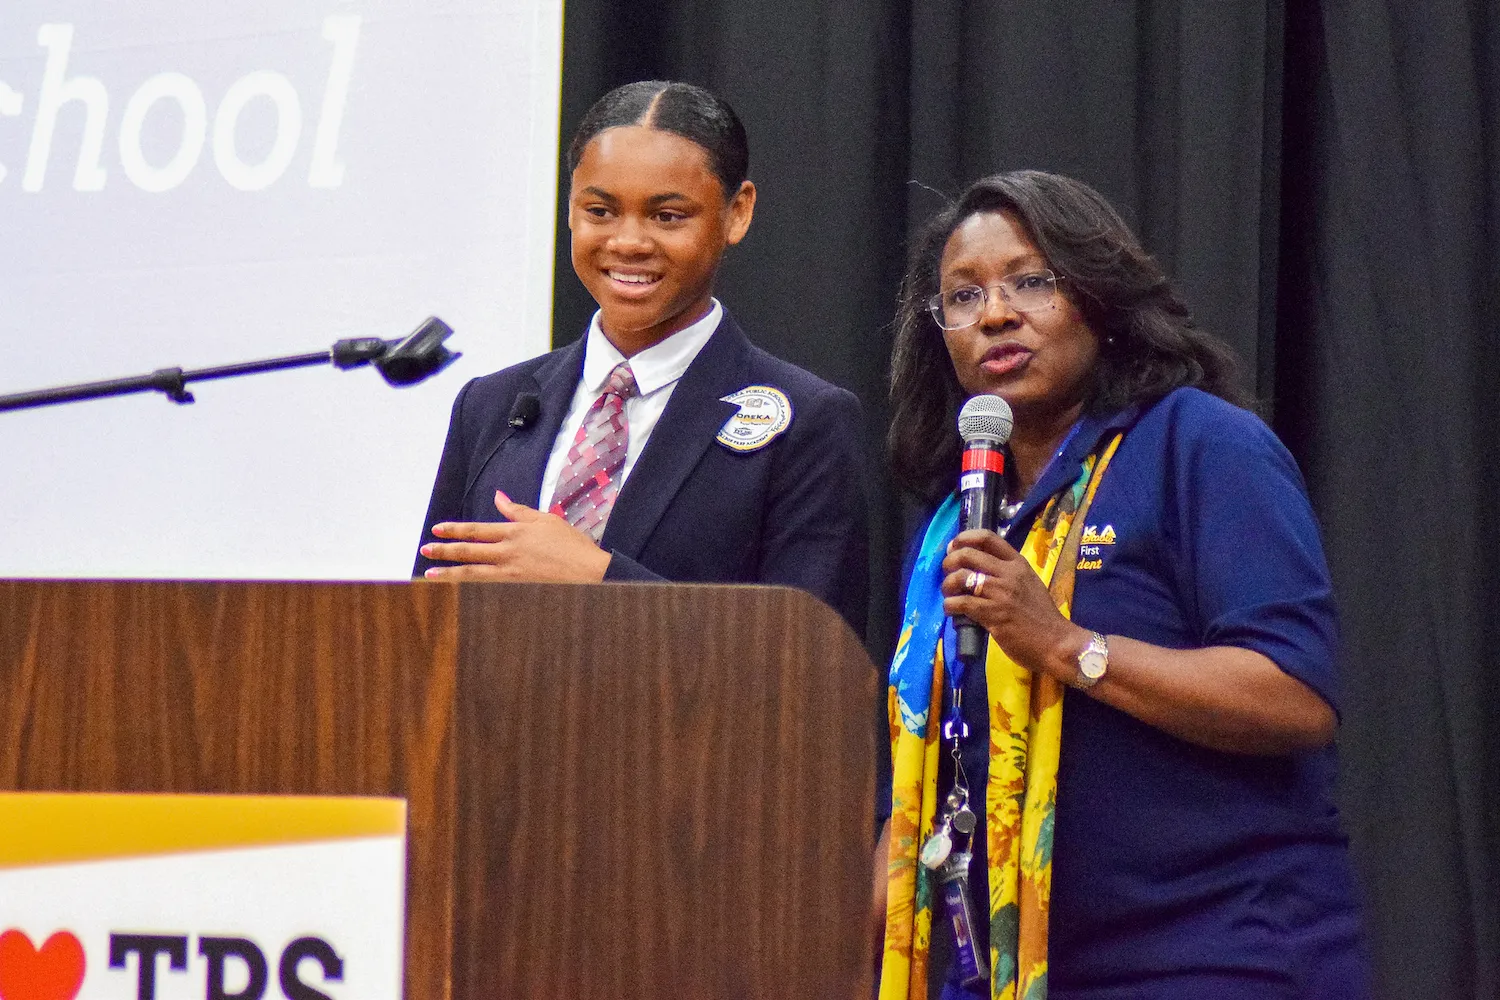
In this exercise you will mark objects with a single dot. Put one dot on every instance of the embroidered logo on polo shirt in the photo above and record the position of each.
(1091, 545)
(1092, 535)
(763, 414)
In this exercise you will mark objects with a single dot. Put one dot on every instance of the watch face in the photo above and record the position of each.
(1092, 664)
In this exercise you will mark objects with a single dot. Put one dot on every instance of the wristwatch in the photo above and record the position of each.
(1093, 661)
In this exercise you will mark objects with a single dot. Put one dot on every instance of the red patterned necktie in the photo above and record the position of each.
(591, 477)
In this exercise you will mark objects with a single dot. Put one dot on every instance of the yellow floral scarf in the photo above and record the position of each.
(1025, 712)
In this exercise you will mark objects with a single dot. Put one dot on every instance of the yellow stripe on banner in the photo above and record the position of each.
(56, 828)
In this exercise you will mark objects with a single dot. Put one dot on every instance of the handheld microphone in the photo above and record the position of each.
(525, 410)
(984, 423)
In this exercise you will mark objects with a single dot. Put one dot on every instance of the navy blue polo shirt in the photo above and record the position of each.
(1174, 864)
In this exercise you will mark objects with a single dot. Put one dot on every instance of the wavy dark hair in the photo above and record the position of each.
(696, 114)
(1148, 343)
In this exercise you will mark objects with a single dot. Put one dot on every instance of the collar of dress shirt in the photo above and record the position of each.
(658, 365)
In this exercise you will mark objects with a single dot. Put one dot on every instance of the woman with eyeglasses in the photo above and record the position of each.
(1129, 794)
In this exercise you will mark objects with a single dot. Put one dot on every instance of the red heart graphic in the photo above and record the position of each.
(55, 972)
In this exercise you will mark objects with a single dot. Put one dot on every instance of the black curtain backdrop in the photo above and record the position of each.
(1323, 181)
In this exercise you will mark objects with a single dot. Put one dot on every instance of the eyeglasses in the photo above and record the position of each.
(963, 306)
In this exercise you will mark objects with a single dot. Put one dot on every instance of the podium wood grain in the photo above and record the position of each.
(614, 791)
(685, 803)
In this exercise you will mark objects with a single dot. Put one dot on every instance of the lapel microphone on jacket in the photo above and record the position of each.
(984, 424)
(527, 407)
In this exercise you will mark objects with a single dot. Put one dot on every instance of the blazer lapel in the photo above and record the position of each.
(686, 429)
(518, 459)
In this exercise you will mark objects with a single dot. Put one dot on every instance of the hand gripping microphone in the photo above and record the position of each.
(984, 423)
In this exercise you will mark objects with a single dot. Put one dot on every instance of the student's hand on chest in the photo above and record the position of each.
(529, 546)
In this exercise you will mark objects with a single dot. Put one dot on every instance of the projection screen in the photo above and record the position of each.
(187, 184)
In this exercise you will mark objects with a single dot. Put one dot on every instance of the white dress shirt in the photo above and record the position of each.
(656, 371)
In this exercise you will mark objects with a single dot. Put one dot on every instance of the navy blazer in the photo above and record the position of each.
(791, 512)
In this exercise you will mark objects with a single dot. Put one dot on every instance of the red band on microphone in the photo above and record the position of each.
(986, 459)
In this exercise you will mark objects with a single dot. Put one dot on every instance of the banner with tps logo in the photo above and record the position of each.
(170, 897)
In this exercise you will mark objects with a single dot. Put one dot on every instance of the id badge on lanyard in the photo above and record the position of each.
(949, 850)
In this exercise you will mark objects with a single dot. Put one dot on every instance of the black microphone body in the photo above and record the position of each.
(984, 424)
(981, 493)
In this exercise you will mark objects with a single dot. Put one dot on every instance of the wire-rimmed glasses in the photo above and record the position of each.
(963, 306)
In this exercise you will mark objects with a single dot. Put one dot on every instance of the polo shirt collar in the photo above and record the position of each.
(657, 366)
(1062, 470)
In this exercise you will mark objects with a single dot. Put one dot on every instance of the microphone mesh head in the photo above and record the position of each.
(985, 418)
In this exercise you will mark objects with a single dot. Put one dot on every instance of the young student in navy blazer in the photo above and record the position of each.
(708, 459)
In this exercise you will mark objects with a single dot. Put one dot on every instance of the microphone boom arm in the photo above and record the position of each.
(172, 382)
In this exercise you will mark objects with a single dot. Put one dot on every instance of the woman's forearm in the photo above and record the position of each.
(1222, 697)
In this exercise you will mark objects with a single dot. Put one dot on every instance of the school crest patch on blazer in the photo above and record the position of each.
(764, 412)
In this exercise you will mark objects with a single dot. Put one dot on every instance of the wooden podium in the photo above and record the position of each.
(615, 791)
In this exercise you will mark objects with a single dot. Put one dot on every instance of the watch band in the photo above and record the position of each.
(1093, 662)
